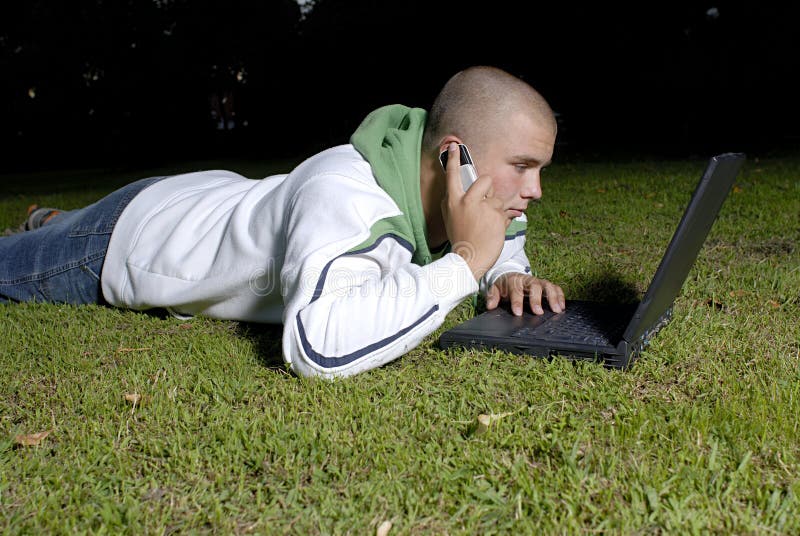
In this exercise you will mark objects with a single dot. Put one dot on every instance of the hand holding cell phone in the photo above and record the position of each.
(466, 168)
(474, 220)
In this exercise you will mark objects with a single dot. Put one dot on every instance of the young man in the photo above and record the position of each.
(361, 251)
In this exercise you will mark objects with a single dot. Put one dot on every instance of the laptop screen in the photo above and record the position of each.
(685, 245)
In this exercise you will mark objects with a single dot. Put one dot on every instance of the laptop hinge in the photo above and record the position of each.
(629, 351)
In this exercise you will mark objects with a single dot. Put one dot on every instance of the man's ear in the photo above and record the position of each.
(447, 140)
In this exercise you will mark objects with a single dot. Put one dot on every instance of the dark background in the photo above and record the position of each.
(130, 83)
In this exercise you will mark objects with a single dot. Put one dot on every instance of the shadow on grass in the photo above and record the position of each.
(267, 340)
(606, 284)
(265, 337)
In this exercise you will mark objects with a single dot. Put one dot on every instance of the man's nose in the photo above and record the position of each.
(532, 189)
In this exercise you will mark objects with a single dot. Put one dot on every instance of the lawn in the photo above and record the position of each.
(156, 425)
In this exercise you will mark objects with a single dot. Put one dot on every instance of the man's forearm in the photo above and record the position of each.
(351, 328)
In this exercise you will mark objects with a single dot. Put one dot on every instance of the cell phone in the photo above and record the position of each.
(466, 167)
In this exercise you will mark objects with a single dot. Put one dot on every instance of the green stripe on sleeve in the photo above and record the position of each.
(384, 227)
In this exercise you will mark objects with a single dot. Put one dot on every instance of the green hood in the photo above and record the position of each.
(389, 139)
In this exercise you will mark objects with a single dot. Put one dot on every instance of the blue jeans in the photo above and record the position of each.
(61, 262)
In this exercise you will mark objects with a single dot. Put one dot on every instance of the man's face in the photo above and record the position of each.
(515, 159)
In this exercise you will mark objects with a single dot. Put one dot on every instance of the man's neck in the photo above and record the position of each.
(431, 186)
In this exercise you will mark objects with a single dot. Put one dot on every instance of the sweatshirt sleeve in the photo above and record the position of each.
(512, 258)
(347, 311)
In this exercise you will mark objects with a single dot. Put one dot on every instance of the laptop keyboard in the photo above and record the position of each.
(580, 324)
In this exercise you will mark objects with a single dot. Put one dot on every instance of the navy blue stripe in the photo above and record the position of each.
(321, 281)
(512, 237)
(333, 361)
(399, 239)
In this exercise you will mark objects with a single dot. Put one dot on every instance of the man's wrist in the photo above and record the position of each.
(452, 278)
(467, 252)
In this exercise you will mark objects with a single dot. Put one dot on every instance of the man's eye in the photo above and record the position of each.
(521, 167)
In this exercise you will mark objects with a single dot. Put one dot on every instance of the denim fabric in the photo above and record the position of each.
(61, 261)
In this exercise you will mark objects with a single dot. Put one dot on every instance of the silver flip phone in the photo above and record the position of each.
(466, 168)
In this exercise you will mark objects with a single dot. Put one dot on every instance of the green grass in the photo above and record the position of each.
(700, 436)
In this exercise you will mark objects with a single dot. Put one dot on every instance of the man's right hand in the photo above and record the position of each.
(475, 221)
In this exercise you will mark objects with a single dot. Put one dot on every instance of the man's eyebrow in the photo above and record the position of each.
(530, 160)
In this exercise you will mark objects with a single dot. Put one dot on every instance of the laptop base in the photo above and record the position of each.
(585, 331)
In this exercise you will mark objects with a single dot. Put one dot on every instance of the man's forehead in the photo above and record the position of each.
(533, 145)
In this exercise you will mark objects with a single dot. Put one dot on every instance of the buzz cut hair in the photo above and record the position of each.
(474, 103)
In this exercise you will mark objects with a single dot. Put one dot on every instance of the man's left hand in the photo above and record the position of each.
(515, 286)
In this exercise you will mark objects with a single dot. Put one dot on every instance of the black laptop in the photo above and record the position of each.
(612, 333)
